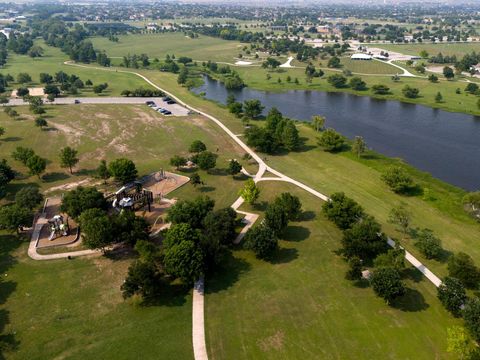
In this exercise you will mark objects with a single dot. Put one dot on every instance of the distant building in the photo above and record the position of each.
(361, 57)
(380, 57)
(278, 28)
(152, 26)
(323, 29)
(6, 32)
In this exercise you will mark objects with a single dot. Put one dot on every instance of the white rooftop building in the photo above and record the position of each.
(361, 57)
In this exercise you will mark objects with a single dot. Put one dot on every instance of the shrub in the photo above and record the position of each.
(452, 295)
(428, 244)
(342, 210)
(471, 315)
(261, 240)
(462, 267)
(398, 179)
(28, 197)
(82, 198)
(331, 140)
(123, 170)
(380, 89)
(387, 283)
(364, 239)
(337, 80)
(410, 92)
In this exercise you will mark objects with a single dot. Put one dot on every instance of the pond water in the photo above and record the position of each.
(445, 144)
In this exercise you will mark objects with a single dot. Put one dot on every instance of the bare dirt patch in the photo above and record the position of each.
(272, 342)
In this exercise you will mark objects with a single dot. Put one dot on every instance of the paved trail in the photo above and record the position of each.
(198, 330)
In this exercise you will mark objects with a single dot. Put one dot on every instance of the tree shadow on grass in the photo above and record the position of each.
(11, 139)
(304, 147)
(86, 172)
(170, 294)
(307, 216)
(413, 274)
(227, 274)
(444, 256)
(412, 301)
(361, 284)
(206, 189)
(55, 176)
(12, 188)
(6, 288)
(260, 206)
(240, 177)
(295, 233)
(123, 252)
(8, 243)
(8, 342)
(284, 256)
(218, 172)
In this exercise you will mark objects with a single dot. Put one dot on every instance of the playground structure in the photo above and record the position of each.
(58, 227)
(145, 197)
(132, 197)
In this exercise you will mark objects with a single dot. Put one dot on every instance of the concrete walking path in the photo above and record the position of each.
(198, 309)
(198, 321)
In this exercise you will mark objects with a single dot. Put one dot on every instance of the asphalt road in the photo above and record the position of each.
(176, 109)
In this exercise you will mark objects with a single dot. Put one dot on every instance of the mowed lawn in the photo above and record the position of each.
(73, 309)
(458, 49)
(53, 62)
(441, 211)
(299, 306)
(113, 131)
(203, 48)
(368, 67)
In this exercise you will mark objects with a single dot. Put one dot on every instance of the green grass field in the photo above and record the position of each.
(159, 45)
(112, 131)
(299, 306)
(368, 67)
(458, 49)
(53, 61)
(294, 308)
(328, 173)
(74, 309)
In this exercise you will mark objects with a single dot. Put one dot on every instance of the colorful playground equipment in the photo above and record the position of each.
(58, 227)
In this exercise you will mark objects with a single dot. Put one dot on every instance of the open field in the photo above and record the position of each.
(327, 173)
(87, 309)
(159, 45)
(458, 49)
(111, 131)
(299, 306)
(442, 212)
(74, 309)
(53, 62)
(368, 67)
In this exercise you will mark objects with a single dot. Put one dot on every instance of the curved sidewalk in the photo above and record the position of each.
(198, 310)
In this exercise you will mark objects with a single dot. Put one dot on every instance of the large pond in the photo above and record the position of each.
(445, 144)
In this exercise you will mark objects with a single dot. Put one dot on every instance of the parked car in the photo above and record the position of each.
(170, 102)
(150, 103)
(168, 112)
(166, 98)
(77, 101)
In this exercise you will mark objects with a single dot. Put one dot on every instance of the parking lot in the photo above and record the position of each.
(167, 107)
(175, 109)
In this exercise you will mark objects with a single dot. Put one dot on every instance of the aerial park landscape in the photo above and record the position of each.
(223, 181)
